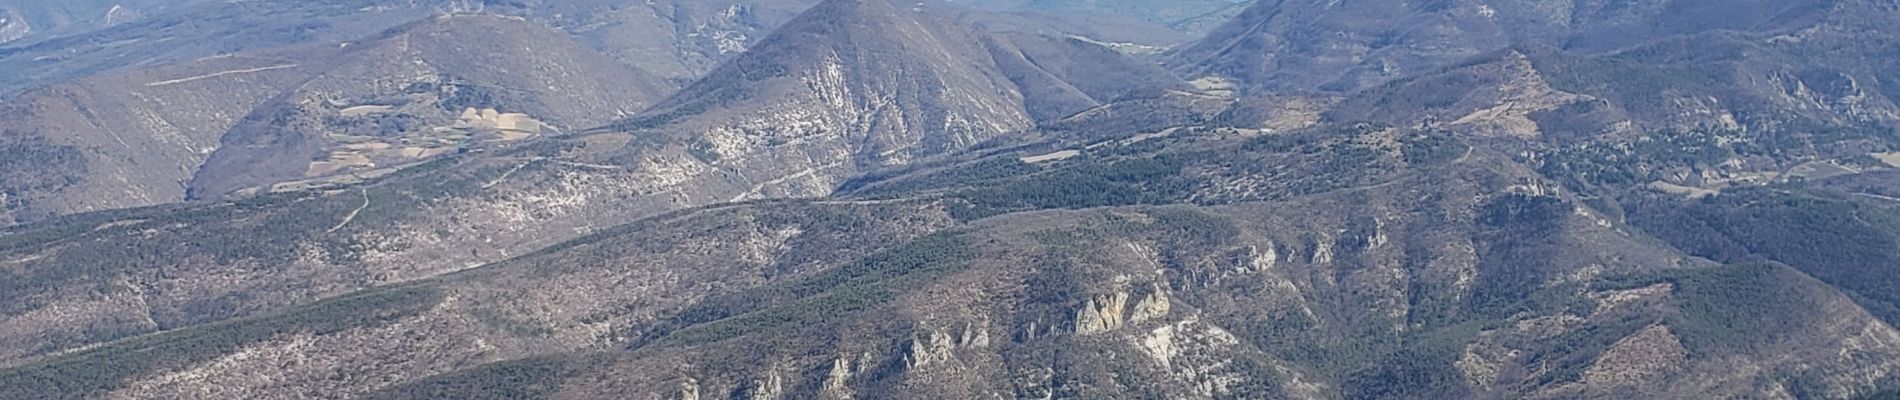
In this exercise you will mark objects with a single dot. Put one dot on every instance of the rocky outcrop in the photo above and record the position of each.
(13, 26)
(928, 348)
(974, 336)
(1197, 353)
(770, 388)
(688, 390)
(837, 385)
(1152, 307)
(1101, 313)
(1109, 312)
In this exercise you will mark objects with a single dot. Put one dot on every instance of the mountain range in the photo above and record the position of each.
(840, 199)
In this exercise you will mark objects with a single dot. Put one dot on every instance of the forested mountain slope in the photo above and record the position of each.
(1319, 200)
(182, 265)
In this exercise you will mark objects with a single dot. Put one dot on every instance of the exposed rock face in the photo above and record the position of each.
(1195, 352)
(770, 388)
(975, 336)
(1152, 307)
(13, 26)
(689, 390)
(930, 347)
(837, 384)
(1101, 314)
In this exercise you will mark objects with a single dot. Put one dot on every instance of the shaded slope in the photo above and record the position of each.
(1062, 77)
(195, 30)
(583, 294)
(1841, 237)
(1186, 18)
(135, 138)
(142, 135)
(1487, 281)
(408, 93)
(1720, 82)
(183, 111)
(859, 84)
(676, 40)
(185, 265)
(1292, 45)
